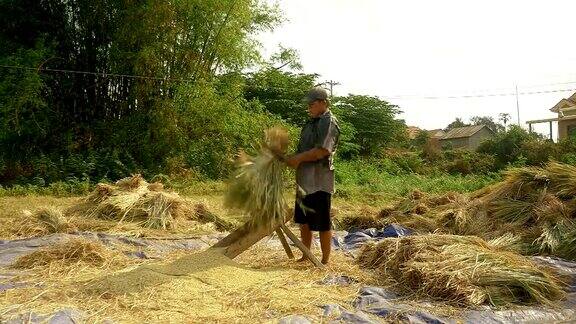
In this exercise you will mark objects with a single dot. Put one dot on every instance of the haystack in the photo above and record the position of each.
(257, 188)
(46, 220)
(132, 199)
(69, 253)
(359, 221)
(204, 215)
(536, 204)
(462, 270)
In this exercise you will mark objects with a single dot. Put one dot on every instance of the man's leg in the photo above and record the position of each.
(306, 237)
(326, 245)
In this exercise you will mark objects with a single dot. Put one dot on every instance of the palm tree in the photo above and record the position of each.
(504, 117)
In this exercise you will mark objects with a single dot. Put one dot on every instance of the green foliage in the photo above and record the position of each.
(373, 120)
(213, 126)
(71, 187)
(466, 162)
(507, 146)
(57, 125)
(455, 124)
(487, 121)
(421, 139)
(281, 93)
(367, 181)
(539, 151)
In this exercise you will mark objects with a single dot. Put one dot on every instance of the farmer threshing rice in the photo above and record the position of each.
(315, 171)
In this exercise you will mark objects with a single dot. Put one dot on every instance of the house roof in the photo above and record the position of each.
(436, 133)
(412, 131)
(570, 102)
(461, 132)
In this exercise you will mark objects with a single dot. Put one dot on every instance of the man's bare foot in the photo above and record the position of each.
(324, 261)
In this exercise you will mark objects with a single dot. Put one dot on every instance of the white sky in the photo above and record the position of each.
(438, 48)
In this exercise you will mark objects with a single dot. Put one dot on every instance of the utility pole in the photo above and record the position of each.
(517, 105)
(332, 83)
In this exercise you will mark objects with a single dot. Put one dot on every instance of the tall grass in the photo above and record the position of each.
(359, 179)
(363, 181)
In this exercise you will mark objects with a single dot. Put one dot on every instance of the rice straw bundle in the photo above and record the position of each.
(359, 221)
(562, 179)
(133, 199)
(53, 220)
(258, 185)
(462, 270)
(204, 215)
(69, 252)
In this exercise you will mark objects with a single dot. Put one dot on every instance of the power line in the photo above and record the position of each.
(507, 94)
(331, 83)
(104, 74)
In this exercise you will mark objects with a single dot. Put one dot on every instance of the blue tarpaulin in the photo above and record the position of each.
(372, 305)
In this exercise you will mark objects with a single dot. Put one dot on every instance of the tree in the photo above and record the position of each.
(488, 122)
(374, 121)
(280, 86)
(161, 45)
(455, 124)
(504, 117)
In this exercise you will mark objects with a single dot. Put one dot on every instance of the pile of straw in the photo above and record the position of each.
(70, 252)
(535, 204)
(204, 215)
(46, 220)
(131, 199)
(462, 270)
(257, 188)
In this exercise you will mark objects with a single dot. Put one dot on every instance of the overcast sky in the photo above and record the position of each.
(441, 48)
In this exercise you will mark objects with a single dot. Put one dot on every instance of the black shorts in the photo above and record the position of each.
(316, 211)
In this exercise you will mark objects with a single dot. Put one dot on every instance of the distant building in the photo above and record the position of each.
(412, 132)
(566, 110)
(468, 137)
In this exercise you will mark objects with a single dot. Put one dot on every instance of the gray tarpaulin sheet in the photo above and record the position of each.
(376, 301)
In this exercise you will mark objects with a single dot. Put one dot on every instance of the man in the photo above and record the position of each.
(315, 171)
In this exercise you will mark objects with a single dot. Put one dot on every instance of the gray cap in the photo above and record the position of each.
(316, 93)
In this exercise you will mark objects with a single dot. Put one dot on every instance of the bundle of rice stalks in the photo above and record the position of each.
(204, 215)
(512, 210)
(53, 220)
(445, 199)
(462, 270)
(152, 209)
(133, 199)
(562, 179)
(420, 209)
(101, 192)
(156, 186)
(258, 185)
(131, 183)
(44, 221)
(519, 183)
(415, 222)
(356, 222)
(417, 195)
(386, 212)
(70, 252)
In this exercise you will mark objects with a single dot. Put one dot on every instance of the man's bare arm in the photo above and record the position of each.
(311, 155)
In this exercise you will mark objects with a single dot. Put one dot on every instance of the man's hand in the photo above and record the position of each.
(308, 156)
(292, 161)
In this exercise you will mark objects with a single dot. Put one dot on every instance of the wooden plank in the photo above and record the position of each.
(242, 239)
(301, 246)
(285, 244)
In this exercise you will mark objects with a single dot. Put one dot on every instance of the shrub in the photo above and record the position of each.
(468, 162)
(506, 147)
